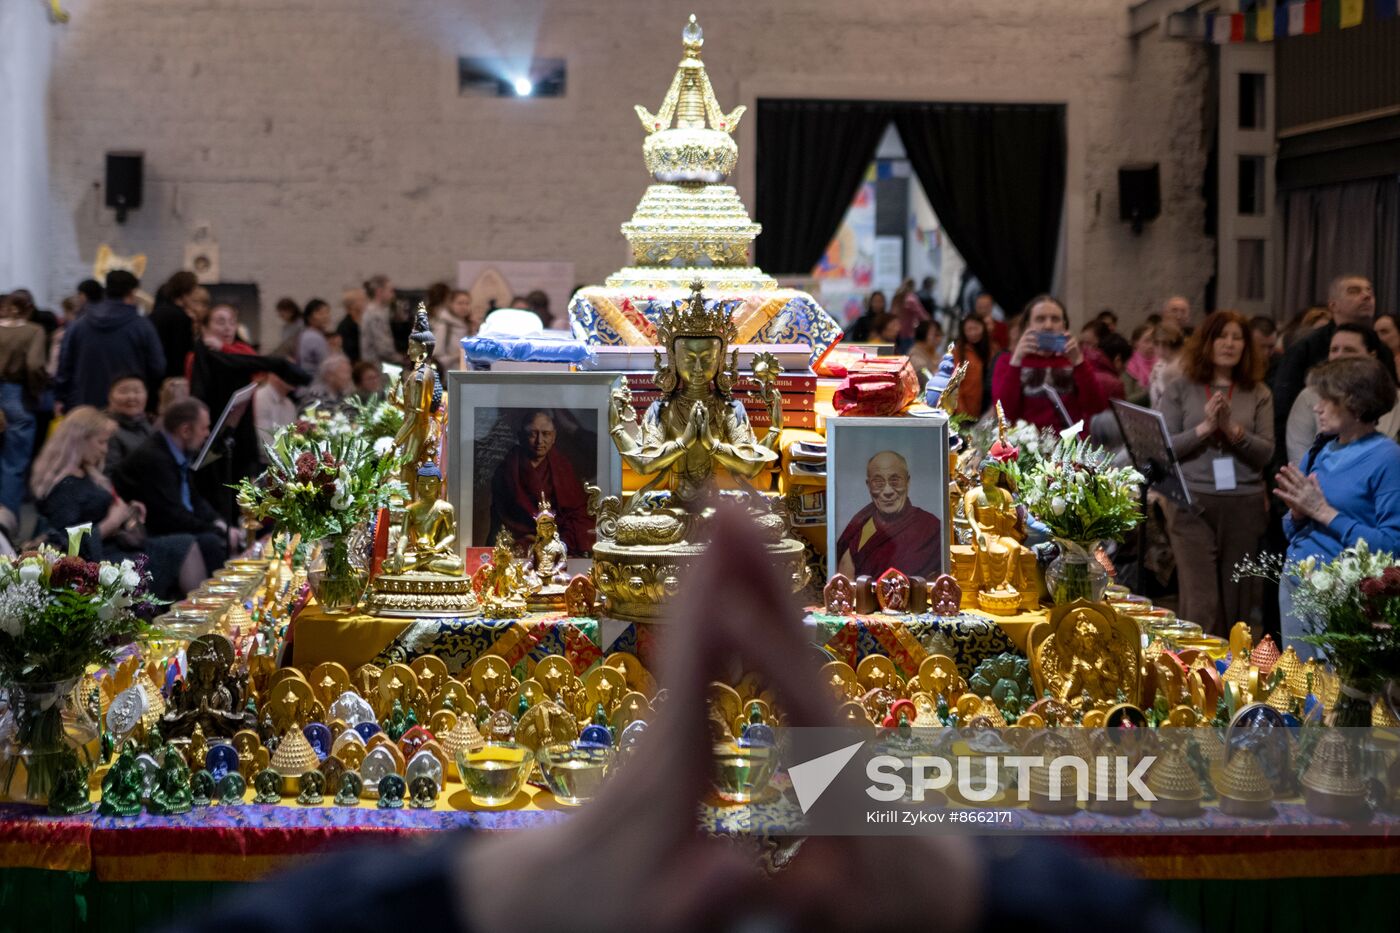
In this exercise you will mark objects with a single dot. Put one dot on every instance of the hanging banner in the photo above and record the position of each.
(1265, 23)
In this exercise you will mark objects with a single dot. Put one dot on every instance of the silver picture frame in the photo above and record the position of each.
(469, 392)
(923, 444)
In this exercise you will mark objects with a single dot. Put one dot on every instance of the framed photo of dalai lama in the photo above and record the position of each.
(887, 496)
(518, 439)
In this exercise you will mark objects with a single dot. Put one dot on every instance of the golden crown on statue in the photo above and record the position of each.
(691, 318)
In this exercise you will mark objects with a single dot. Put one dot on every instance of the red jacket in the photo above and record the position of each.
(1084, 400)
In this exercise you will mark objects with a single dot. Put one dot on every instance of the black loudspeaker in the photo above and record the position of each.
(124, 171)
(1139, 194)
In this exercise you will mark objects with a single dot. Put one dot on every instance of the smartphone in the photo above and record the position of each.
(1047, 342)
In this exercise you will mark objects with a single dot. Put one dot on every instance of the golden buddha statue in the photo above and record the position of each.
(696, 430)
(501, 583)
(1086, 655)
(419, 394)
(423, 570)
(546, 563)
(427, 542)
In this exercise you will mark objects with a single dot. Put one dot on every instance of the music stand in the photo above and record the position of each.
(222, 436)
(1149, 446)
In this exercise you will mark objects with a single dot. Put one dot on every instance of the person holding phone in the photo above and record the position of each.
(1045, 379)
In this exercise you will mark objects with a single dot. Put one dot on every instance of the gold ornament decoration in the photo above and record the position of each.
(1242, 786)
(1175, 785)
(648, 541)
(1333, 786)
(1086, 650)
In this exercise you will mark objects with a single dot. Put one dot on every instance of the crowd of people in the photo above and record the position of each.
(106, 407)
(1286, 434)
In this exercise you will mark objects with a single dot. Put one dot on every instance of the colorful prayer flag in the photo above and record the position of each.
(1236, 27)
(1331, 14)
(1296, 18)
(1219, 30)
(1281, 20)
(1263, 24)
(1312, 17)
(1351, 13)
(1387, 9)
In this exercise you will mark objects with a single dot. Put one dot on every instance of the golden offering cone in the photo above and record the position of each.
(1294, 678)
(1243, 778)
(1264, 656)
(1175, 785)
(1332, 784)
(1040, 799)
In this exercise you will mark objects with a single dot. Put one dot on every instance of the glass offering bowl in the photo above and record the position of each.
(741, 772)
(494, 774)
(574, 771)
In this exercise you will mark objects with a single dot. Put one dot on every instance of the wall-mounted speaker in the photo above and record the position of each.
(124, 178)
(1139, 194)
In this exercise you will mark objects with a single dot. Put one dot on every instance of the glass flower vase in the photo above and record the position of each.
(44, 734)
(337, 581)
(1075, 574)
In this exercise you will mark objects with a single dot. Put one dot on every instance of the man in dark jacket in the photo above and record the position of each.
(109, 340)
(1352, 300)
(157, 474)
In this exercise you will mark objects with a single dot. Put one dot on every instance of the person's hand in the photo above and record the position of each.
(1211, 422)
(235, 540)
(1073, 352)
(1028, 344)
(1303, 495)
(653, 867)
(212, 342)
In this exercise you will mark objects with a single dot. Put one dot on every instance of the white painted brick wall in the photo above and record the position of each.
(324, 139)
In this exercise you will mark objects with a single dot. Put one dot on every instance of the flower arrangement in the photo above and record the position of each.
(1351, 607)
(321, 484)
(1075, 490)
(59, 615)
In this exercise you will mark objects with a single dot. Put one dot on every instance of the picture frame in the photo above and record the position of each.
(874, 525)
(491, 471)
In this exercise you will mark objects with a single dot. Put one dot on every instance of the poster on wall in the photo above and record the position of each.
(500, 281)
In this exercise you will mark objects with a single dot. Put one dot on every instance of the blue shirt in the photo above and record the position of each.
(1361, 480)
(183, 462)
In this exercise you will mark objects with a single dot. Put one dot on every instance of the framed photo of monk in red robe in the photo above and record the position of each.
(520, 438)
(887, 496)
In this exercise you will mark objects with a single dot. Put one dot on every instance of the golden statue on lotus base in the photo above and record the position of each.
(423, 572)
(694, 431)
(1086, 656)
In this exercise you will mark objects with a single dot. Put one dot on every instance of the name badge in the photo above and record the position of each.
(1224, 473)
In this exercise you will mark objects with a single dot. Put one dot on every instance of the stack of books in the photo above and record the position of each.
(798, 392)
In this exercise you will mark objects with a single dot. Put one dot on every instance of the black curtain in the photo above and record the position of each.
(995, 175)
(811, 157)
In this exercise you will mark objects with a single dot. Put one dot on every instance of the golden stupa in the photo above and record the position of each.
(691, 225)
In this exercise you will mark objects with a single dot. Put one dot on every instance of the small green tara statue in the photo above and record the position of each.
(121, 786)
(172, 795)
(70, 795)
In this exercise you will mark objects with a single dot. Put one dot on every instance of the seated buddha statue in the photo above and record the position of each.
(696, 431)
(996, 531)
(427, 542)
(546, 562)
